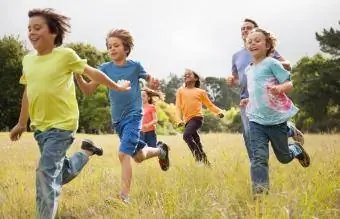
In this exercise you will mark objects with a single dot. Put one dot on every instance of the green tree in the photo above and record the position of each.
(169, 87)
(219, 92)
(317, 82)
(12, 51)
(329, 41)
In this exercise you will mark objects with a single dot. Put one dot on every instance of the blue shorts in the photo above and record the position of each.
(150, 138)
(128, 130)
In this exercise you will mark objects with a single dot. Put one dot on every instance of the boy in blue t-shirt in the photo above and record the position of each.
(126, 108)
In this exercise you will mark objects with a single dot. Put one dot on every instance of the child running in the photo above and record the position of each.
(149, 121)
(189, 101)
(126, 108)
(268, 110)
(49, 100)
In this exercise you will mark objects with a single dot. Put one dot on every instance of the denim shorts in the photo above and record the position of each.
(150, 138)
(128, 130)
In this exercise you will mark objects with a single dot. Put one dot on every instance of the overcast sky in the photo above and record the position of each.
(177, 34)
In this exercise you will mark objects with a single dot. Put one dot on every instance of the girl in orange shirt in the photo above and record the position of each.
(189, 101)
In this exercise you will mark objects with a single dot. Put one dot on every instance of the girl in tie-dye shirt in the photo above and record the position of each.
(268, 110)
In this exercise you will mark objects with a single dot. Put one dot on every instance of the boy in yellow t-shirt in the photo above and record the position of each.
(49, 100)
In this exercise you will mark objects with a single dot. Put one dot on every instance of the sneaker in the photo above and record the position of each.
(124, 198)
(163, 159)
(297, 134)
(88, 145)
(303, 157)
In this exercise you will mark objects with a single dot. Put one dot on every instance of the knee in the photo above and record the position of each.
(122, 156)
(137, 159)
(186, 136)
(284, 160)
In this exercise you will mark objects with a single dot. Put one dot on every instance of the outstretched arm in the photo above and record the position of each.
(101, 78)
(86, 87)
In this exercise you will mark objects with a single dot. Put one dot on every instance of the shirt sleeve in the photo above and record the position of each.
(234, 71)
(179, 114)
(281, 74)
(142, 73)
(276, 55)
(23, 79)
(207, 102)
(75, 63)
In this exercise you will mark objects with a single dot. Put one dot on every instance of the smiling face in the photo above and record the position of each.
(257, 44)
(246, 28)
(189, 77)
(116, 50)
(40, 35)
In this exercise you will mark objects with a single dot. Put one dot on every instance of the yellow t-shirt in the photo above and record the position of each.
(189, 103)
(51, 89)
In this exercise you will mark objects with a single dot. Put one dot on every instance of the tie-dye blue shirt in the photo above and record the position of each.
(264, 107)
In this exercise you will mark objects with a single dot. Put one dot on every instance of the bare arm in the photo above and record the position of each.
(20, 127)
(101, 78)
(285, 63)
(154, 120)
(281, 88)
(86, 87)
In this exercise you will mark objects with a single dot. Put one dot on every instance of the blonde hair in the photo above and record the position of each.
(270, 39)
(124, 36)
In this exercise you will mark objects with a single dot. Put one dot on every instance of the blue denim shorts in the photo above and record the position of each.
(128, 130)
(150, 138)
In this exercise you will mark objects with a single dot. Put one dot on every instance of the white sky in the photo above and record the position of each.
(177, 34)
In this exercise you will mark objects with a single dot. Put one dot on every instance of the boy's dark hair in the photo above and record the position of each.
(57, 23)
(124, 36)
(198, 82)
(251, 21)
(151, 93)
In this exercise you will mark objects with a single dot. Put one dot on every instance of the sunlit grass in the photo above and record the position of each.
(186, 190)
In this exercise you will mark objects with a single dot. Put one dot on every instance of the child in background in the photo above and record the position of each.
(189, 101)
(149, 121)
(268, 110)
(126, 108)
(49, 100)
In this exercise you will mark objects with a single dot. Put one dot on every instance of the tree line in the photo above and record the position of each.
(316, 91)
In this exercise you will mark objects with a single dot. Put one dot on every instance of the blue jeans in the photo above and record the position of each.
(246, 131)
(54, 168)
(150, 138)
(260, 135)
(128, 130)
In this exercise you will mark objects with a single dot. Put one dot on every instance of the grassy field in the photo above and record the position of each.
(186, 190)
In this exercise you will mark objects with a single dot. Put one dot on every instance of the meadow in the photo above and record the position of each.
(187, 190)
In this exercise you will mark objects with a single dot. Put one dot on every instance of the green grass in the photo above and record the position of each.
(186, 190)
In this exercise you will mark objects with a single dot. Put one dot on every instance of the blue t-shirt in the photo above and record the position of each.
(125, 104)
(264, 107)
(240, 61)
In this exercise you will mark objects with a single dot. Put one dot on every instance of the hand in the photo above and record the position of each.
(221, 115)
(180, 124)
(230, 81)
(123, 85)
(16, 132)
(244, 102)
(274, 89)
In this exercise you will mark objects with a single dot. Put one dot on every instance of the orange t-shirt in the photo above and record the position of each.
(148, 111)
(189, 103)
